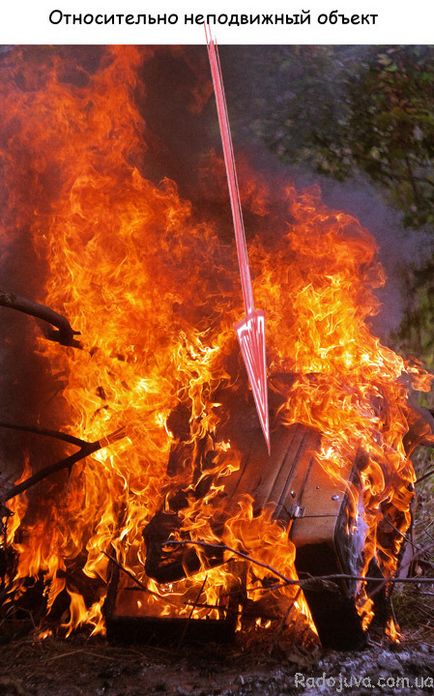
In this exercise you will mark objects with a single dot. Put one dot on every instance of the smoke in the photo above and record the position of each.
(399, 248)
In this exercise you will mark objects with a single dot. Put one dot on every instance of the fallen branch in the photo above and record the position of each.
(63, 333)
(311, 579)
(86, 448)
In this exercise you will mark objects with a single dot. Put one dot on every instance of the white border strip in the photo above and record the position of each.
(27, 22)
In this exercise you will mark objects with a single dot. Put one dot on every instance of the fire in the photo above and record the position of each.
(18, 505)
(152, 286)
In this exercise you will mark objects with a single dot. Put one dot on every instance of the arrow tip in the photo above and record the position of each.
(251, 337)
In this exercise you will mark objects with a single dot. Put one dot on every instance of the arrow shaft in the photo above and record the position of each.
(251, 330)
(231, 173)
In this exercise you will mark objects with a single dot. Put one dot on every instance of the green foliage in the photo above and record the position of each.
(376, 115)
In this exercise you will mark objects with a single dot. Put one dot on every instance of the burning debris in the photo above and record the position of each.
(181, 519)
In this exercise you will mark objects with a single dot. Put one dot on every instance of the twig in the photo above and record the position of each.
(130, 574)
(241, 554)
(425, 476)
(403, 536)
(63, 333)
(301, 582)
(62, 655)
(190, 616)
(75, 652)
(86, 448)
(425, 531)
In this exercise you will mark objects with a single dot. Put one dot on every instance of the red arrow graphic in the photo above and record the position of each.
(251, 330)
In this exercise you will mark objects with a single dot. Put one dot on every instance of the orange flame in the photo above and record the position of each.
(18, 505)
(153, 289)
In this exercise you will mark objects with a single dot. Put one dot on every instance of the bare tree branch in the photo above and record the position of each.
(63, 333)
(86, 448)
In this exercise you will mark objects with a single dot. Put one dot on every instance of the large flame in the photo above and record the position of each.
(153, 289)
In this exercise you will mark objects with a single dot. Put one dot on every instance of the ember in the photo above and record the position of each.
(185, 516)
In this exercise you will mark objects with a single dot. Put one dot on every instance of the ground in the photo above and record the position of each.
(91, 667)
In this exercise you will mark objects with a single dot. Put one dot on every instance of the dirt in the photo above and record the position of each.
(91, 667)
